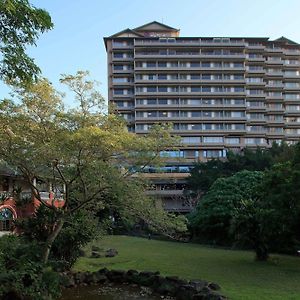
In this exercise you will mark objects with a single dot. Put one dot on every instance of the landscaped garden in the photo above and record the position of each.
(235, 271)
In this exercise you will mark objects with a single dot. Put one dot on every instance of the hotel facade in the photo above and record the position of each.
(220, 94)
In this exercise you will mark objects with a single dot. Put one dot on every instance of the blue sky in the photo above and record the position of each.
(76, 42)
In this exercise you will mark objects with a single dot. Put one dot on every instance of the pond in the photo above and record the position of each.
(109, 292)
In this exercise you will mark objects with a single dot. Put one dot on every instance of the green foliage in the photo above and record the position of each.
(21, 272)
(82, 152)
(79, 229)
(204, 174)
(21, 25)
(213, 215)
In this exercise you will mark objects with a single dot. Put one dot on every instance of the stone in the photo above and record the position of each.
(90, 278)
(185, 292)
(67, 281)
(166, 287)
(198, 284)
(79, 277)
(100, 277)
(214, 286)
(117, 276)
(95, 254)
(111, 253)
(103, 271)
(96, 248)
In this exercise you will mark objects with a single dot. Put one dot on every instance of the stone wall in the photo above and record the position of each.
(172, 286)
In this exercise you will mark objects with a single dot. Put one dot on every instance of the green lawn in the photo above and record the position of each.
(236, 271)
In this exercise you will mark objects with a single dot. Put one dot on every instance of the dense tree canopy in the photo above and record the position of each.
(20, 26)
(82, 152)
(214, 213)
(204, 174)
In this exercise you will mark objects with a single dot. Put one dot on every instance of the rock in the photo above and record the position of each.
(147, 278)
(214, 286)
(111, 253)
(95, 254)
(90, 278)
(100, 277)
(185, 292)
(209, 296)
(166, 287)
(117, 276)
(132, 276)
(67, 281)
(103, 271)
(95, 248)
(79, 277)
(198, 284)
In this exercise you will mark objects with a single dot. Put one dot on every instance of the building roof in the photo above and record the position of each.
(128, 30)
(285, 41)
(159, 26)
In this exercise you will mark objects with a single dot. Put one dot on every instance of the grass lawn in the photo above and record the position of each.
(236, 271)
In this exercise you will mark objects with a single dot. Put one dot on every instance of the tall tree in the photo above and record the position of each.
(82, 150)
(20, 26)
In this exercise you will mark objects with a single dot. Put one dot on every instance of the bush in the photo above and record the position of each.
(79, 229)
(22, 275)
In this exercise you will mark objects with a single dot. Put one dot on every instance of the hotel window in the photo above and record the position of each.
(118, 55)
(174, 114)
(207, 114)
(162, 89)
(292, 96)
(196, 89)
(163, 114)
(194, 101)
(205, 64)
(255, 141)
(195, 64)
(238, 65)
(207, 127)
(119, 92)
(195, 77)
(162, 64)
(139, 127)
(196, 114)
(214, 153)
(173, 101)
(162, 77)
(151, 89)
(213, 139)
(205, 89)
(196, 127)
(118, 67)
(151, 64)
(151, 114)
(151, 101)
(237, 114)
(239, 126)
(191, 140)
(232, 140)
(207, 101)
(162, 101)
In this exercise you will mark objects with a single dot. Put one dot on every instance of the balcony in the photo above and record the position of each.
(274, 50)
(274, 73)
(184, 43)
(274, 62)
(294, 52)
(164, 192)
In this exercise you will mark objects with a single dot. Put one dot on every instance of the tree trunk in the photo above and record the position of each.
(51, 238)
